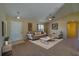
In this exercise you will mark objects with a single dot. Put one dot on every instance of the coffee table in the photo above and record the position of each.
(45, 39)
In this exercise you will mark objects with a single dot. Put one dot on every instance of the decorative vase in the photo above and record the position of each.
(6, 42)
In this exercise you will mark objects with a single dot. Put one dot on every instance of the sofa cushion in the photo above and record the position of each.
(37, 33)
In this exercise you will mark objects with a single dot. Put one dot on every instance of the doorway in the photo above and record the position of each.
(72, 29)
(16, 30)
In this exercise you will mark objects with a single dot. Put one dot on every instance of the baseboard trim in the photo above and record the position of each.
(17, 42)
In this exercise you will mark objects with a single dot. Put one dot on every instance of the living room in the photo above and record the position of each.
(41, 26)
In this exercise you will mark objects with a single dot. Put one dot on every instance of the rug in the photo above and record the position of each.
(46, 45)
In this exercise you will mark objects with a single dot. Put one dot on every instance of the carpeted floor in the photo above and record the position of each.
(45, 44)
(30, 49)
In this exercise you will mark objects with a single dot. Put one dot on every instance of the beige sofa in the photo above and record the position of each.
(36, 35)
(39, 34)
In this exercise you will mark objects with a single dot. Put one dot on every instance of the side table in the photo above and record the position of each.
(7, 50)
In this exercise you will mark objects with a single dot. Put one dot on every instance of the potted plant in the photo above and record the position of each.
(6, 40)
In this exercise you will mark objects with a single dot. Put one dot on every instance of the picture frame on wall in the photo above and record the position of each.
(29, 26)
(55, 26)
(2, 28)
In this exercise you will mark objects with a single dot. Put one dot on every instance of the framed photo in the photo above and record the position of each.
(2, 28)
(55, 26)
(29, 26)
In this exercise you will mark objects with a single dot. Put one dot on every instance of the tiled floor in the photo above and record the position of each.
(64, 48)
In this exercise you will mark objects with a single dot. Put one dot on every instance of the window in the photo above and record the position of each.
(40, 27)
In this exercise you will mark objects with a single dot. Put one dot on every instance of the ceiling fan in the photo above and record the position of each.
(18, 15)
(50, 17)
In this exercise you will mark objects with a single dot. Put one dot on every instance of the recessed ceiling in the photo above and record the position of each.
(35, 11)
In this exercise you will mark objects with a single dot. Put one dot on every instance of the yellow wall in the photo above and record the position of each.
(24, 25)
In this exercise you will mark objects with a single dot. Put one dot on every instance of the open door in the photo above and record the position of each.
(72, 29)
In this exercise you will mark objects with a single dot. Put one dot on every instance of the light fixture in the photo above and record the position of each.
(18, 17)
(49, 19)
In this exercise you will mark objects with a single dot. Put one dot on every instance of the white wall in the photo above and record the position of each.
(0, 36)
(2, 17)
(61, 27)
(66, 9)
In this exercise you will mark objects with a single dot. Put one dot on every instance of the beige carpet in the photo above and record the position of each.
(30, 49)
(46, 45)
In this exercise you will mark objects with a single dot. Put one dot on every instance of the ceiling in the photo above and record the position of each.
(34, 11)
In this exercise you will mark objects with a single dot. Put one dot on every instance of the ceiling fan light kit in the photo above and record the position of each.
(18, 17)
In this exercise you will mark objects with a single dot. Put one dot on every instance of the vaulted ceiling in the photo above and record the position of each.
(34, 11)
